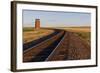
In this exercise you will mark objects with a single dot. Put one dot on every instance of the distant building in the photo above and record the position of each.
(37, 23)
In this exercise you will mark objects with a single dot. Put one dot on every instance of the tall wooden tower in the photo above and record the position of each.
(37, 24)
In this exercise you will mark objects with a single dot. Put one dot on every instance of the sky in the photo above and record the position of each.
(56, 18)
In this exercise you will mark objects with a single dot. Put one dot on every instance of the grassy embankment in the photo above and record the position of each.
(31, 34)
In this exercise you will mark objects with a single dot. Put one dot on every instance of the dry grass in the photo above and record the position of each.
(78, 29)
(30, 34)
(83, 32)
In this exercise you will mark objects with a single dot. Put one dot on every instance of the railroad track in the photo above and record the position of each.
(42, 50)
(72, 47)
(35, 42)
(62, 46)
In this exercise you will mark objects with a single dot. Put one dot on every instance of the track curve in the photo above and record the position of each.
(63, 45)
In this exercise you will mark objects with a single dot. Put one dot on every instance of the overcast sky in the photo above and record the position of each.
(56, 19)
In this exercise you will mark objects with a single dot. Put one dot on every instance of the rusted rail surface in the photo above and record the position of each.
(71, 47)
(35, 53)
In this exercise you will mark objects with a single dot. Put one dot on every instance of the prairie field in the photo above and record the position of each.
(83, 32)
(76, 29)
(31, 34)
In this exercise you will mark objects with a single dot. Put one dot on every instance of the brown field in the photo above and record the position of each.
(77, 29)
(30, 34)
(83, 32)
